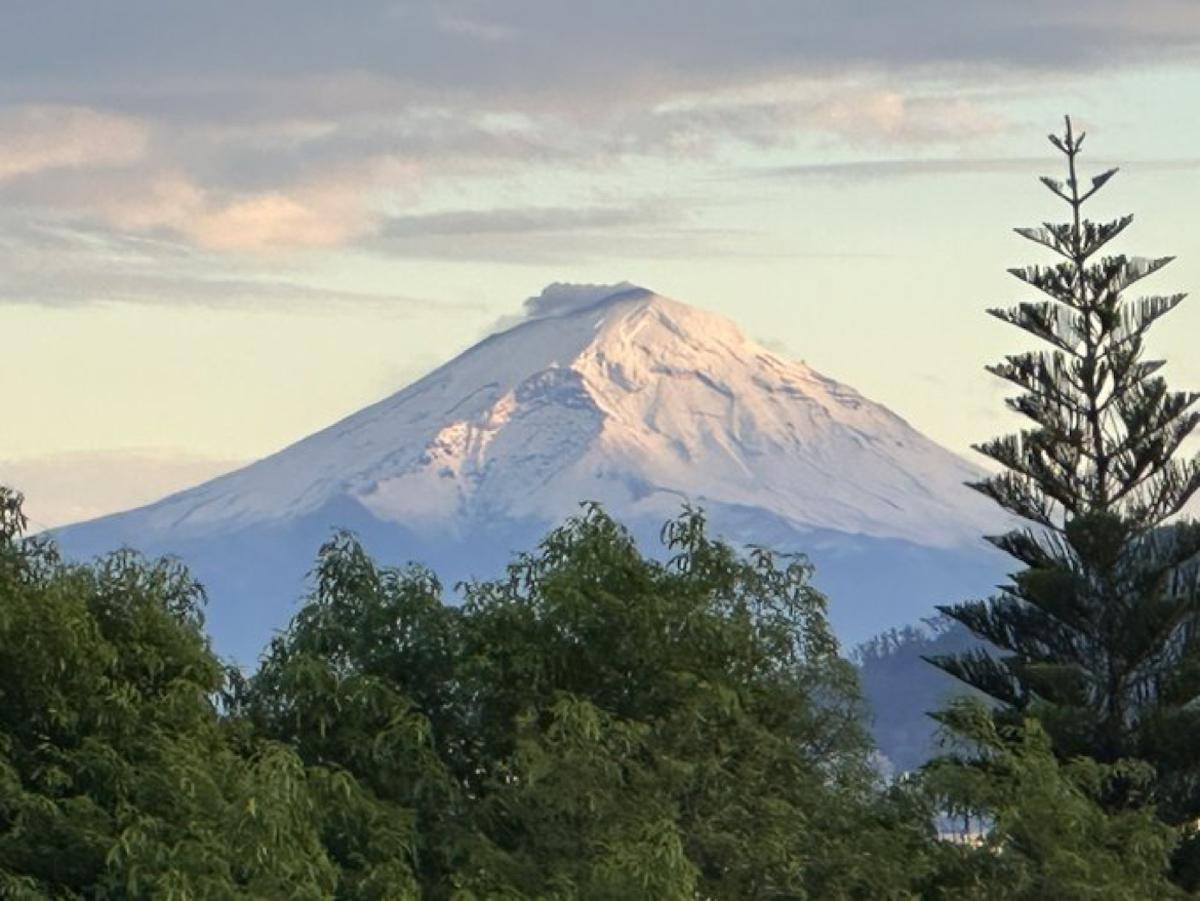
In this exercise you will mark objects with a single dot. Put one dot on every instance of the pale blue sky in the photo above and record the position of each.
(223, 228)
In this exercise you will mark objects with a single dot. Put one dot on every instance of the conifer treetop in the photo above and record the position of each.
(1106, 427)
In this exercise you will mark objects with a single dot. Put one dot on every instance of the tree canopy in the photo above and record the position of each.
(596, 723)
(118, 777)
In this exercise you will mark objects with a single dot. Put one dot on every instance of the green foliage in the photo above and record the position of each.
(595, 724)
(118, 778)
(1032, 826)
(341, 687)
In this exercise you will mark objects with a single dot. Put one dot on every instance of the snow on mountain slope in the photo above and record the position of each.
(618, 395)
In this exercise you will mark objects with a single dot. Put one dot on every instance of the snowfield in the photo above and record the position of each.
(631, 399)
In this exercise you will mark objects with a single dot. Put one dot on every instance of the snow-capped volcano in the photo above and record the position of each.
(634, 400)
(617, 395)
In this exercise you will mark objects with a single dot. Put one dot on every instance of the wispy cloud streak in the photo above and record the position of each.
(859, 170)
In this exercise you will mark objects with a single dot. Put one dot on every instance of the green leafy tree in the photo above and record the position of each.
(1097, 635)
(1025, 825)
(687, 728)
(357, 685)
(118, 778)
(596, 724)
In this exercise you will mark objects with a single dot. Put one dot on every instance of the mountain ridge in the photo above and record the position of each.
(632, 383)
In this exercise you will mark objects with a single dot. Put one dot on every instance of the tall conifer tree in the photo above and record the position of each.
(1099, 634)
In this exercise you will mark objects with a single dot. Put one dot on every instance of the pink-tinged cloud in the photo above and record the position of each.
(39, 138)
(329, 211)
(878, 116)
(320, 212)
(267, 221)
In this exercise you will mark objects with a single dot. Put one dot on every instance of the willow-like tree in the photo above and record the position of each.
(1097, 635)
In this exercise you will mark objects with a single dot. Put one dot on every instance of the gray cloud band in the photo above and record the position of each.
(538, 49)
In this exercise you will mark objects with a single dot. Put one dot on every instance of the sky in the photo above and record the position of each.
(225, 225)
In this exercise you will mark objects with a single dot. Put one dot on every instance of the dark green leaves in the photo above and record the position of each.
(118, 777)
(594, 724)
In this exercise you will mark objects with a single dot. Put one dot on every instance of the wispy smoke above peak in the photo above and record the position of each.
(559, 298)
(562, 297)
